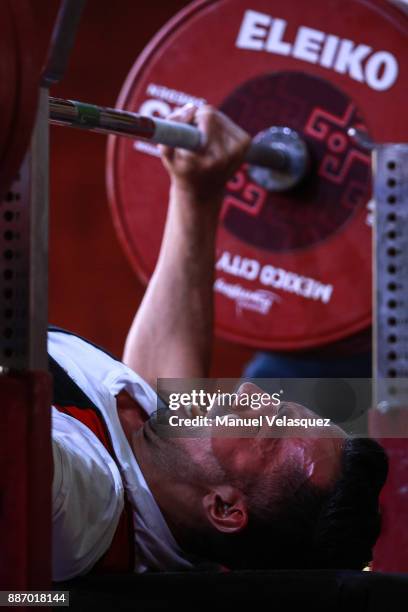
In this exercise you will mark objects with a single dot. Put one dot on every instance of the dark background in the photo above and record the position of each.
(93, 290)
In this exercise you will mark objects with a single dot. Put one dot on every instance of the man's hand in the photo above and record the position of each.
(203, 175)
(171, 335)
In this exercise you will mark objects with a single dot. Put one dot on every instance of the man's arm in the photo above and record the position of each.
(171, 335)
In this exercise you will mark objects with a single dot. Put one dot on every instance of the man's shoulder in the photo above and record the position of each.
(68, 337)
(95, 371)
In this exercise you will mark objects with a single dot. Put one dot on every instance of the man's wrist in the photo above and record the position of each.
(198, 200)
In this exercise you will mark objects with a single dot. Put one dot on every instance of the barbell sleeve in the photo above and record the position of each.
(113, 121)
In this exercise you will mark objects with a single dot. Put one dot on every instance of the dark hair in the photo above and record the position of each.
(305, 527)
(349, 521)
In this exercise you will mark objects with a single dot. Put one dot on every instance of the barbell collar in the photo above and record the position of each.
(274, 155)
(361, 138)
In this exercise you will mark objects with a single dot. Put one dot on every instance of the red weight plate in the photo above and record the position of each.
(8, 85)
(19, 82)
(293, 269)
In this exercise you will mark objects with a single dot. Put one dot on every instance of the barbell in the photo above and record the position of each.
(293, 267)
(293, 260)
(280, 150)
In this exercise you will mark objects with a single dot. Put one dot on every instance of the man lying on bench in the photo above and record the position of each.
(126, 498)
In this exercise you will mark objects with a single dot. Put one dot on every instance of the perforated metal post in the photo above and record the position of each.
(391, 276)
(24, 253)
(25, 385)
(389, 419)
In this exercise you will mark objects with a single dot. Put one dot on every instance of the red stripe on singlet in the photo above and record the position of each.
(119, 557)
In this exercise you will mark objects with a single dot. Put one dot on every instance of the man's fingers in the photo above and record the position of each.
(208, 118)
(185, 114)
(221, 135)
(227, 142)
(222, 153)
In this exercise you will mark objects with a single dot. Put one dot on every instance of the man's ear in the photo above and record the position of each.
(226, 509)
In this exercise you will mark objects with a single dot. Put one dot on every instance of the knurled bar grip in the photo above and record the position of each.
(112, 121)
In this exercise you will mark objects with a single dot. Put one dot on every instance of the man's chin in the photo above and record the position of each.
(158, 426)
(150, 428)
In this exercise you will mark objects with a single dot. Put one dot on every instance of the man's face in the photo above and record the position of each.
(316, 451)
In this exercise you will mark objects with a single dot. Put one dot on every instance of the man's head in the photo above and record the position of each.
(295, 500)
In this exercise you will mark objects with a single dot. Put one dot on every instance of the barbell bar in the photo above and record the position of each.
(280, 149)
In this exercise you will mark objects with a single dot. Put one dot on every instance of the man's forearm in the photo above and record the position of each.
(171, 335)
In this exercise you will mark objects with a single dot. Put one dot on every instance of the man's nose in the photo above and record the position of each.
(248, 388)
